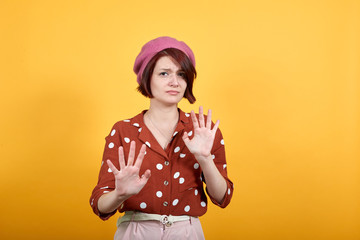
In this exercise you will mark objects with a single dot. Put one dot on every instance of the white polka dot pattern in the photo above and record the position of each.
(159, 166)
(187, 115)
(111, 145)
(140, 129)
(187, 208)
(181, 180)
(175, 202)
(196, 192)
(159, 194)
(127, 140)
(143, 205)
(213, 156)
(147, 143)
(182, 155)
(196, 166)
(126, 120)
(113, 132)
(203, 204)
(176, 149)
(222, 142)
(109, 170)
(229, 191)
(190, 133)
(224, 166)
(176, 175)
(175, 133)
(136, 125)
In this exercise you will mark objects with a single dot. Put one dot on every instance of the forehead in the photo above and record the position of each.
(167, 62)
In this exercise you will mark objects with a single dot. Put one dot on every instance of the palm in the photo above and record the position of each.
(201, 144)
(127, 179)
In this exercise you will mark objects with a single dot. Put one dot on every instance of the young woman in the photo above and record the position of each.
(155, 163)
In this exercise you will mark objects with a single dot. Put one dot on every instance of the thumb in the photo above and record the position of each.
(147, 174)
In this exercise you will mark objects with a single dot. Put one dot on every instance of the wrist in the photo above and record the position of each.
(208, 167)
(120, 195)
(203, 159)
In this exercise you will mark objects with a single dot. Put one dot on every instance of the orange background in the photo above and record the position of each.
(282, 76)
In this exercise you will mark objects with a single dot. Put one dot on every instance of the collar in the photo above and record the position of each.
(146, 136)
(138, 120)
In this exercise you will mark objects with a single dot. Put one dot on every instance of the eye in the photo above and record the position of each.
(163, 74)
(182, 74)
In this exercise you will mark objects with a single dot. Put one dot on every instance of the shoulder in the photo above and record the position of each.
(128, 124)
(134, 121)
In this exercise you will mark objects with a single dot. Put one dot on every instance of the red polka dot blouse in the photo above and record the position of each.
(176, 183)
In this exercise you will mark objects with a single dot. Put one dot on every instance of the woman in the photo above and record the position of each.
(161, 189)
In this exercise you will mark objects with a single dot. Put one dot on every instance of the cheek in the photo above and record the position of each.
(183, 84)
(153, 84)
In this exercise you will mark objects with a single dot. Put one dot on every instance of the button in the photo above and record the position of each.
(165, 204)
(166, 183)
(167, 163)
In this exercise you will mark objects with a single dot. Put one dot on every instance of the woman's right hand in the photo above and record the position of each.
(127, 179)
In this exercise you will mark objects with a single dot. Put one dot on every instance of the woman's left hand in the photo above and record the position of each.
(201, 144)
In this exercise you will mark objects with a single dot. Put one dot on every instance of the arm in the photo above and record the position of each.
(200, 145)
(215, 182)
(111, 201)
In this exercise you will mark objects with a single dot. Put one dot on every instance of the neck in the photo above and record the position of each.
(161, 113)
(162, 121)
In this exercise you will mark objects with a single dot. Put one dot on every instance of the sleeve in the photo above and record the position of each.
(218, 154)
(106, 180)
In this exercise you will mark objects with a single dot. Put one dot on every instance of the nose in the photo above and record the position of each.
(174, 81)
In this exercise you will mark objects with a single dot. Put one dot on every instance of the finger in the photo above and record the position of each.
(216, 126)
(201, 117)
(185, 138)
(121, 158)
(131, 154)
(208, 119)
(140, 157)
(194, 120)
(146, 175)
(112, 167)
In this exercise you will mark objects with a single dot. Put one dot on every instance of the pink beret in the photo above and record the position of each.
(151, 48)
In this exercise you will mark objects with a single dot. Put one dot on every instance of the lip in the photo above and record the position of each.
(172, 92)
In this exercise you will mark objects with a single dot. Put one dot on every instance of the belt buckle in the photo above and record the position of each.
(165, 221)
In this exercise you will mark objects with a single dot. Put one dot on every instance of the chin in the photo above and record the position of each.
(172, 102)
(168, 100)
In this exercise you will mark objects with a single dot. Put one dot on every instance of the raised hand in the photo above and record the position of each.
(201, 144)
(127, 179)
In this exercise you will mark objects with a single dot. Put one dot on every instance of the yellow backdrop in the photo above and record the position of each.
(282, 76)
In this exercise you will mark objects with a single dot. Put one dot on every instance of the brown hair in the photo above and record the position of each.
(186, 66)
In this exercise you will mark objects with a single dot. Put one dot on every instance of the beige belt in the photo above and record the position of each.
(166, 220)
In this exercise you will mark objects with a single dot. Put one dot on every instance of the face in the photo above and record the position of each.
(168, 83)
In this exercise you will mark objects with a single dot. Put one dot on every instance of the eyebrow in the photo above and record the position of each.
(169, 69)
